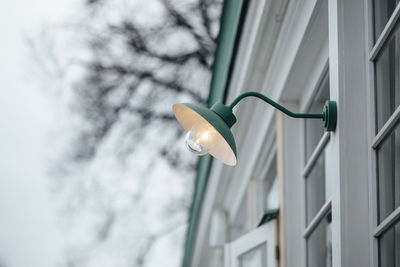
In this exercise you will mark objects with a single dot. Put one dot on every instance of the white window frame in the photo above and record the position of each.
(266, 233)
(349, 76)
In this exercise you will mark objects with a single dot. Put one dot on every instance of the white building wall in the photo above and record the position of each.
(283, 53)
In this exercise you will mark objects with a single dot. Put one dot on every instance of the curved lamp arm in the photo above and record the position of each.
(328, 115)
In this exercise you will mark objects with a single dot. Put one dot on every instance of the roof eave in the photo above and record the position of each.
(230, 20)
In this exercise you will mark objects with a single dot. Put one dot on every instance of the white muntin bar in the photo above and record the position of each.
(326, 208)
(387, 128)
(316, 153)
(385, 33)
(387, 223)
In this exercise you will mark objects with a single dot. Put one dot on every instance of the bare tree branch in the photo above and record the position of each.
(151, 240)
(128, 78)
(179, 20)
(148, 75)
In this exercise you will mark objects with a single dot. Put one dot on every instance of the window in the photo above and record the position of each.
(262, 195)
(389, 247)
(383, 9)
(385, 56)
(241, 224)
(255, 228)
(313, 128)
(317, 233)
(270, 187)
(388, 159)
(257, 248)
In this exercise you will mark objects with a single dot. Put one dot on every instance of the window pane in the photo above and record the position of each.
(319, 245)
(388, 156)
(240, 225)
(270, 189)
(387, 75)
(383, 9)
(254, 257)
(317, 188)
(389, 247)
(272, 199)
(314, 129)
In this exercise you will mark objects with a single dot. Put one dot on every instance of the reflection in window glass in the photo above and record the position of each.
(314, 129)
(319, 245)
(239, 227)
(387, 78)
(271, 188)
(273, 196)
(389, 247)
(316, 186)
(254, 258)
(388, 156)
(383, 9)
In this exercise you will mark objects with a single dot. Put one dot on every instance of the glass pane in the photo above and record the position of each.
(383, 9)
(314, 129)
(388, 156)
(387, 70)
(270, 185)
(389, 247)
(317, 188)
(272, 200)
(319, 245)
(255, 257)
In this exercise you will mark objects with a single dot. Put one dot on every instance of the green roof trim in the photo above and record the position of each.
(230, 18)
(226, 41)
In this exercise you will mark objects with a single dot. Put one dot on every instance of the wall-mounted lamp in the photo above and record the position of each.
(208, 130)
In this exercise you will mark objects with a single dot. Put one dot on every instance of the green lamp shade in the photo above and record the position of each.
(207, 132)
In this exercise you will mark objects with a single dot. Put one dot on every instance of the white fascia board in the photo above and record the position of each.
(251, 137)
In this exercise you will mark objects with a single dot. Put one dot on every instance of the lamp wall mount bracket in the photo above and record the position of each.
(328, 115)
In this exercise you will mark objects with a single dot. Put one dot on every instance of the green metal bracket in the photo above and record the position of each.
(328, 115)
(268, 216)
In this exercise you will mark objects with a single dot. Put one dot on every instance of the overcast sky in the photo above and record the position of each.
(29, 232)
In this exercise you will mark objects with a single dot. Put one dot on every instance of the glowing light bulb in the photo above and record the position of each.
(201, 138)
